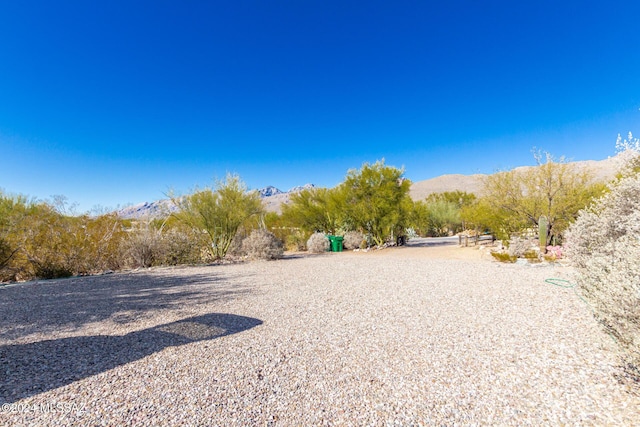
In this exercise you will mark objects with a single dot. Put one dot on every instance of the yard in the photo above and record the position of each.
(406, 336)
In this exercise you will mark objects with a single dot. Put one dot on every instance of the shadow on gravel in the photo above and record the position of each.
(30, 369)
(71, 303)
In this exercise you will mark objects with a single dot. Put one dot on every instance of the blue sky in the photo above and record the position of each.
(117, 102)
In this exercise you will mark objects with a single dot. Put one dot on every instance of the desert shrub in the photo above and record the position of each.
(410, 233)
(318, 243)
(604, 246)
(51, 269)
(504, 256)
(352, 239)
(262, 244)
(95, 243)
(518, 246)
(180, 247)
(144, 247)
(531, 255)
(296, 241)
(235, 248)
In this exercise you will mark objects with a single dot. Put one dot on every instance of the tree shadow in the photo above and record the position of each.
(69, 304)
(33, 368)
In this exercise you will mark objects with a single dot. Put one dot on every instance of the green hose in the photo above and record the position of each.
(562, 283)
(559, 282)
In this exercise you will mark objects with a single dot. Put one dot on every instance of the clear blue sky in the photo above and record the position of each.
(116, 102)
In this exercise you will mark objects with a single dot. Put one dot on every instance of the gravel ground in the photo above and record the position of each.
(386, 338)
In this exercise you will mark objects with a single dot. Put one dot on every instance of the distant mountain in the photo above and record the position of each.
(603, 170)
(272, 198)
(301, 187)
(148, 210)
(269, 191)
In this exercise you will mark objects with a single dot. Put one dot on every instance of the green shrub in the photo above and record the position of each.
(296, 241)
(49, 269)
(504, 257)
(531, 255)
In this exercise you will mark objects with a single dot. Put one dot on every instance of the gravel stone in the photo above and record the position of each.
(376, 338)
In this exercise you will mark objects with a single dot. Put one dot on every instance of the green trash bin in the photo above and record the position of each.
(331, 240)
(336, 243)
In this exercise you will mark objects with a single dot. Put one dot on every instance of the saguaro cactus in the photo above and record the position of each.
(543, 224)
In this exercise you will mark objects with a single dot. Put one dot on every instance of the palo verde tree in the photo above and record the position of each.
(218, 214)
(440, 213)
(376, 200)
(555, 189)
(315, 209)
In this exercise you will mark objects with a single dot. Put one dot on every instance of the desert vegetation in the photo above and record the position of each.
(515, 201)
(371, 207)
(604, 244)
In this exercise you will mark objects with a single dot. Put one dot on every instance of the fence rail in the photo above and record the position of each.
(464, 239)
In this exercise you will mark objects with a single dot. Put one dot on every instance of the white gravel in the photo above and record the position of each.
(335, 339)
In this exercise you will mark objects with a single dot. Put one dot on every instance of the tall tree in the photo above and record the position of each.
(377, 197)
(218, 214)
(315, 209)
(555, 189)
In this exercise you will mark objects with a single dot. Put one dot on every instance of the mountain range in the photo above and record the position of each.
(273, 198)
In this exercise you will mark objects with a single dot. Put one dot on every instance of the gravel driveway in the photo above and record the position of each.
(386, 338)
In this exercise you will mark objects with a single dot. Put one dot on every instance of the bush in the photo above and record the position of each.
(296, 241)
(532, 255)
(235, 248)
(504, 257)
(262, 244)
(604, 245)
(352, 240)
(318, 243)
(144, 247)
(180, 247)
(518, 247)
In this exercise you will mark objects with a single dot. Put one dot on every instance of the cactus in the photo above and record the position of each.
(543, 224)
